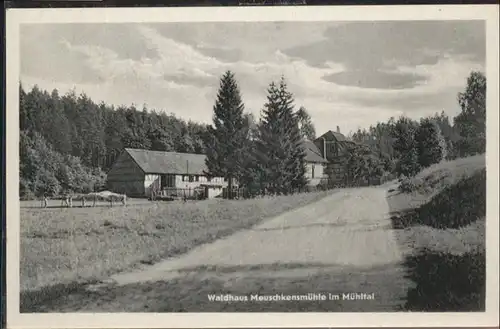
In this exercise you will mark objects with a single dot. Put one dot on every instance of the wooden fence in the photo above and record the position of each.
(84, 200)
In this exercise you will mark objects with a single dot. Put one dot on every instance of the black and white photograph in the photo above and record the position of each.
(261, 165)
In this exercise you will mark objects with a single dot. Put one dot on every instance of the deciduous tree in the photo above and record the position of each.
(429, 143)
(471, 122)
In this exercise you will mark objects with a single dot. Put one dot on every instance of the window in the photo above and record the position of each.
(312, 171)
(171, 181)
(197, 178)
(191, 178)
(209, 179)
(164, 181)
(184, 178)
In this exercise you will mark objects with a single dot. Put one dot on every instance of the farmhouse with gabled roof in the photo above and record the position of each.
(138, 172)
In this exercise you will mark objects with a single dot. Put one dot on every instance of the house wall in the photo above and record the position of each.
(318, 169)
(214, 192)
(153, 182)
(126, 177)
(183, 181)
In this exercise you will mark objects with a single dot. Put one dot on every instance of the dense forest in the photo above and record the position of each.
(68, 142)
(70, 133)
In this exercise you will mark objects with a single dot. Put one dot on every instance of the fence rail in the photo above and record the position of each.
(67, 200)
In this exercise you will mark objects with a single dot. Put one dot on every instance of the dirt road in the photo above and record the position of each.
(336, 247)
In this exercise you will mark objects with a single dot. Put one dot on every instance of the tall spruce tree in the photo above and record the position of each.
(280, 144)
(227, 137)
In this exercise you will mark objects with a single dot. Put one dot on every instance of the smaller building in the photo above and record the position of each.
(139, 173)
(315, 163)
(334, 148)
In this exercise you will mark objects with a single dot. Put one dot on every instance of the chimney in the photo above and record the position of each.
(338, 129)
(324, 147)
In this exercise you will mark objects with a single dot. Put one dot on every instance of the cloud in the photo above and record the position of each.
(48, 55)
(191, 76)
(336, 71)
(438, 93)
(231, 42)
(376, 79)
(376, 44)
(368, 49)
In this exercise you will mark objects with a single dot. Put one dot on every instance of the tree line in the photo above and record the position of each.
(405, 146)
(67, 143)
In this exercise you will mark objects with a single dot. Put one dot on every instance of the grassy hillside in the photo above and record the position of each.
(439, 217)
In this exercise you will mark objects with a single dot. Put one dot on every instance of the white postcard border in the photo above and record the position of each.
(15, 17)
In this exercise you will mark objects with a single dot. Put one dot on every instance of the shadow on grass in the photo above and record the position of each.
(191, 291)
(446, 283)
(30, 300)
(101, 205)
(256, 267)
(456, 206)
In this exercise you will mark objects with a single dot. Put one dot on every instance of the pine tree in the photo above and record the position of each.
(280, 145)
(250, 176)
(227, 136)
(429, 146)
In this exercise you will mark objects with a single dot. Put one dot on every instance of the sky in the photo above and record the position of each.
(350, 74)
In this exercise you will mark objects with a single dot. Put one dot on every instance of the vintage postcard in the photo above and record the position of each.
(252, 167)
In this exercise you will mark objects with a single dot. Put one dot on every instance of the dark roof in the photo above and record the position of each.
(338, 136)
(159, 162)
(312, 152)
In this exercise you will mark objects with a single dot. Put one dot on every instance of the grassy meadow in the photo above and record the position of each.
(439, 222)
(75, 245)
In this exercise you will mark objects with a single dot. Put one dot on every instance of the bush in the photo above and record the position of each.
(407, 185)
(446, 282)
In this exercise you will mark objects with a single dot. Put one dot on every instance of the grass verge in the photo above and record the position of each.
(440, 224)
